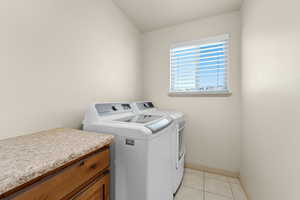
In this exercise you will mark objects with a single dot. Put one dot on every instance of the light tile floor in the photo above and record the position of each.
(198, 185)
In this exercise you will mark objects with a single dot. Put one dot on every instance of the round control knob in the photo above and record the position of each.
(114, 108)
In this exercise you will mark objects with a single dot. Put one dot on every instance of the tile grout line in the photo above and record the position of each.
(195, 188)
(203, 185)
(222, 181)
(230, 185)
(204, 189)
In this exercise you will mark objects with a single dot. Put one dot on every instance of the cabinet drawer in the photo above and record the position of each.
(98, 190)
(66, 181)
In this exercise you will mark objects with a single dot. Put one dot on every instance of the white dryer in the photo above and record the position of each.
(178, 148)
(141, 155)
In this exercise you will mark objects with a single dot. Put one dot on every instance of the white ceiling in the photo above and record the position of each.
(154, 14)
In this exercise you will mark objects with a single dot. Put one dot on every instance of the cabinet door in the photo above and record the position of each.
(99, 190)
(68, 180)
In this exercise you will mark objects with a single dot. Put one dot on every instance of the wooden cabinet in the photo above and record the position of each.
(98, 190)
(86, 178)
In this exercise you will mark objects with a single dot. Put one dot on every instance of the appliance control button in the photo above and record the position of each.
(114, 108)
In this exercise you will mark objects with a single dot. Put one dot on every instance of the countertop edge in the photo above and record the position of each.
(62, 163)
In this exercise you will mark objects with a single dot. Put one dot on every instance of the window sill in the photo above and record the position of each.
(201, 94)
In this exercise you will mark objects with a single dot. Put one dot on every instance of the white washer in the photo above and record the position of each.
(141, 154)
(178, 147)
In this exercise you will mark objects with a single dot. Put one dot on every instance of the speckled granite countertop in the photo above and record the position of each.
(26, 157)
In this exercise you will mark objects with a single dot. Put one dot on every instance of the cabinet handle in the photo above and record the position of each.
(93, 166)
(81, 163)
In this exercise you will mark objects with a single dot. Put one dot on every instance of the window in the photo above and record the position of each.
(200, 66)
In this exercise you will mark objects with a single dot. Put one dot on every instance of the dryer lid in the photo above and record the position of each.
(153, 122)
(159, 125)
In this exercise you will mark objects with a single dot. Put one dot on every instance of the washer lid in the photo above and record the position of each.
(141, 119)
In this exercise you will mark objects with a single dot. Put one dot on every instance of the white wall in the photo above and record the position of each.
(271, 96)
(58, 56)
(213, 123)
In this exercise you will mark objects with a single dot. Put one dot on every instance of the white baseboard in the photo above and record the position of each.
(212, 170)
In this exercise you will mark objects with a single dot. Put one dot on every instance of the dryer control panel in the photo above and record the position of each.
(144, 105)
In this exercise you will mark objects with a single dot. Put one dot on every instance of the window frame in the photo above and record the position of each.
(206, 40)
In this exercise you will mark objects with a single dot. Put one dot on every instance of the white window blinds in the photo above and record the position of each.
(200, 66)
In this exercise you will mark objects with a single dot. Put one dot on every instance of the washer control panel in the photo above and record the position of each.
(113, 108)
